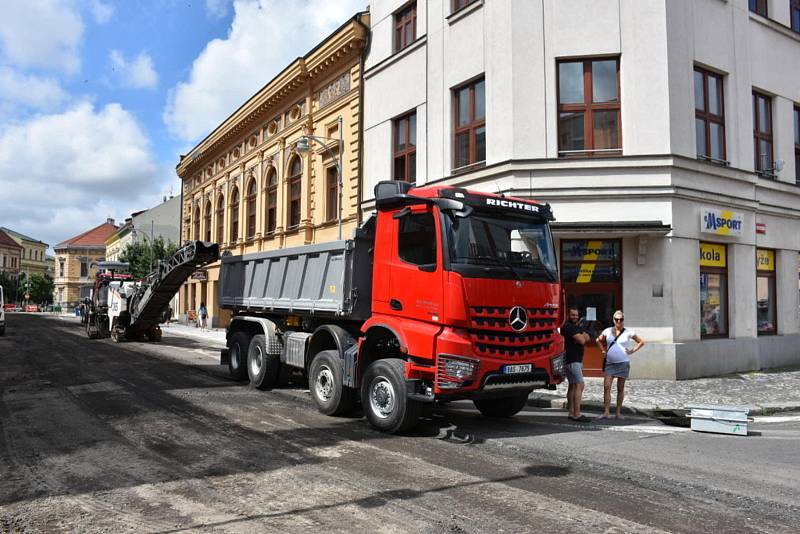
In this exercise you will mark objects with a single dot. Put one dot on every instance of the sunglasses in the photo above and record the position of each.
(619, 318)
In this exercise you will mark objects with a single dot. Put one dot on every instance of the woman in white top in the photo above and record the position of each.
(617, 343)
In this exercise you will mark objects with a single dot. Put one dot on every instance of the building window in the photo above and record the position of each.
(759, 6)
(404, 143)
(794, 14)
(60, 267)
(766, 306)
(762, 133)
(417, 239)
(197, 222)
(405, 26)
(207, 221)
(469, 114)
(461, 4)
(713, 290)
(251, 208)
(295, 192)
(709, 115)
(84, 269)
(589, 107)
(797, 144)
(220, 219)
(332, 194)
(272, 200)
(234, 215)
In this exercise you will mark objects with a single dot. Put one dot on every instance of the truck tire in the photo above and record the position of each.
(502, 406)
(326, 384)
(263, 369)
(384, 399)
(238, 345)
(2, 330)
(153, 335)
(92, 330)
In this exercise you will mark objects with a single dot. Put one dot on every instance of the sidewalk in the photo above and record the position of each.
(764, 392)
(214, 336)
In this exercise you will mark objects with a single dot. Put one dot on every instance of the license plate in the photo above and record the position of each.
(519, 368)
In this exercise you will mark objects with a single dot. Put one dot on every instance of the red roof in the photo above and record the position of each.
(6, 241)
(96, 237)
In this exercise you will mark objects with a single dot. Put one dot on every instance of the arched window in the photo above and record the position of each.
(295, 191)
(251, 208)
(207, 220)
(272, 200)
(234, 215)
(197, 222)
(220, 219)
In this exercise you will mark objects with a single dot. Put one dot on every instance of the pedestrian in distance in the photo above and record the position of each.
(617, 344)
(202, 314)
(575, 337)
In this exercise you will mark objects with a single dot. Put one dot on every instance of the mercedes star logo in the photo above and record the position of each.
(518, 318)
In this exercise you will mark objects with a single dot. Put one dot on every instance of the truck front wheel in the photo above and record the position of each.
(239, 344)
(502, 406)
(262, 368)
(326, 384)
(384, 399)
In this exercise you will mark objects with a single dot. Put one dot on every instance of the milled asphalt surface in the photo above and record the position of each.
(104, 437)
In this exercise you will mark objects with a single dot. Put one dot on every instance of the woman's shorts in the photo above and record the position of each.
(575, 373)
(620, 370)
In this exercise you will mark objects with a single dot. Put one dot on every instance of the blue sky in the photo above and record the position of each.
(98, 98)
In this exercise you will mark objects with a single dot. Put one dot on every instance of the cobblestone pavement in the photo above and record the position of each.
(763, 392)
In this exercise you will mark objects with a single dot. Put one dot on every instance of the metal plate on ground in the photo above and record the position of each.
(719, 419)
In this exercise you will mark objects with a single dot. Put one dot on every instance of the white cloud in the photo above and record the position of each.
(101, 12)
(31, 91)
(137, 73)
(41, 33)
(217, 9)
(61, 174)
(265, 36)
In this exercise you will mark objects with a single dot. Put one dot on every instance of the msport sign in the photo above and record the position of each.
(720, 222)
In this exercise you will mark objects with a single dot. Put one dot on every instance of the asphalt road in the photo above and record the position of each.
(104, 437)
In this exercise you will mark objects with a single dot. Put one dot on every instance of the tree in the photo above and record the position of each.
(41, 288)
(9, 286)
(143, 258)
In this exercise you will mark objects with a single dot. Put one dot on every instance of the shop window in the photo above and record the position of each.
(295, 192)
(759, 6)
(589, 108)
(234, 215)
(272, 199)
(762, 133)
(220, 219)
(469, 115)
(404, 148)
(583, 262)
(417, 241)
(709, 115)
(332, 194)
(766, 305)
(713, 290)
(405, 26)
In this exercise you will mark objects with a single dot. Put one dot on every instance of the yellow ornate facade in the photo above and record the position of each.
(247, 186)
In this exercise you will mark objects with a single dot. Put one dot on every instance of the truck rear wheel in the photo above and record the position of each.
(263, 369)
(326, 384)
(502, 406)
(384, 399)
(239, 345)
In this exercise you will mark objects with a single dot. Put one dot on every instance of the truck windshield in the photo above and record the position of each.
(488, 246)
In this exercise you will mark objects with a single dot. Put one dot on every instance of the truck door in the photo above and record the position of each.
(415, 286)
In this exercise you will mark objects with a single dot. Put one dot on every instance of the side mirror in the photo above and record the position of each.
(428, 267)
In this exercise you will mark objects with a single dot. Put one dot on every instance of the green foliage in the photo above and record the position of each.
(141, 256)
(9, 286)
(41, 288)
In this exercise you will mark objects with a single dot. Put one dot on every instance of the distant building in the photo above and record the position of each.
(74, 257)
(33, 254)
(10, 257)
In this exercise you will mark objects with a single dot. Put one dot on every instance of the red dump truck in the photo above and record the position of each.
(443, 294)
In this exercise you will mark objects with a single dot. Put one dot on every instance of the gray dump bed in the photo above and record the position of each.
(330, 279)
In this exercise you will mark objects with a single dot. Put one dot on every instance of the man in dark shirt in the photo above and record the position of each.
(575, 337)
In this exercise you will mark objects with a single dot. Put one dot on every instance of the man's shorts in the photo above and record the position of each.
(575, 373)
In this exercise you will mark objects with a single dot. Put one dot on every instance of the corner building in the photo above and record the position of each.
(249, 188)
(665, 135)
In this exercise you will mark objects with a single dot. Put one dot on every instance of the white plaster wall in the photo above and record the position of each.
(741, 291)
(683, 267)
(377, 157)
(786, 290)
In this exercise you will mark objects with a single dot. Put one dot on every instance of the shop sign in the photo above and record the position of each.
(721, 222)
(761, 228)
(589, 251)
(765, 259)
(712, 255)
(200, 275)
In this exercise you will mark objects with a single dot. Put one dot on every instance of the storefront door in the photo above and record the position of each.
(591, 274)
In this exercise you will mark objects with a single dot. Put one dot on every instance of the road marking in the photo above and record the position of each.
(647, 429)
(776, 419)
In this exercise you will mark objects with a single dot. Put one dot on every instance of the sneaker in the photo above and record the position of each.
(582, 419)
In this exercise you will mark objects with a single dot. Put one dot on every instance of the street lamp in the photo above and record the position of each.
(303, 147)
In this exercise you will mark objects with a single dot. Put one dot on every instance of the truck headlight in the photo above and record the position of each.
(557, 364)
(454, 371)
